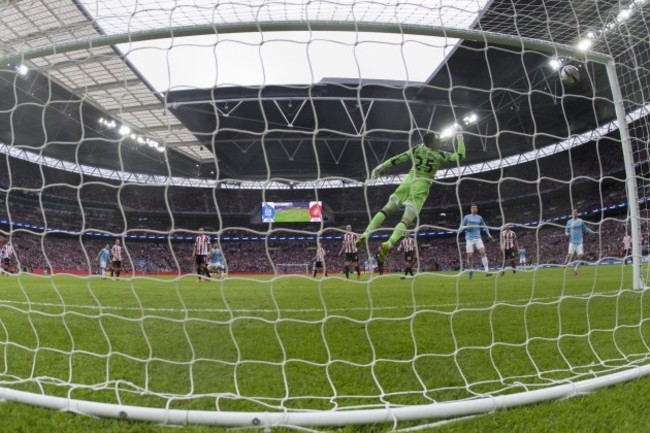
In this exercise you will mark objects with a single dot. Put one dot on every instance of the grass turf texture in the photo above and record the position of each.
(292, 215)
(297, 342)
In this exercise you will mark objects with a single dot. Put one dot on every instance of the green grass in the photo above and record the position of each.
(292, 215)
(299, 343)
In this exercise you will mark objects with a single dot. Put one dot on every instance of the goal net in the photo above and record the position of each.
(293, 268)
(140, 140)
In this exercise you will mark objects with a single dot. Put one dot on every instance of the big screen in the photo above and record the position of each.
(292, 211)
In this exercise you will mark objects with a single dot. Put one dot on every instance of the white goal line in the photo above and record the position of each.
(522, 302)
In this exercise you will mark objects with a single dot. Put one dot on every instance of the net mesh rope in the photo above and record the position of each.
(293, 342)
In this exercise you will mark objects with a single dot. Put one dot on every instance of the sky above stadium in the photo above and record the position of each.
(281, 58)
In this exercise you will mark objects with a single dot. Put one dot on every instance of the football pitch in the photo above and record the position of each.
(260, 343)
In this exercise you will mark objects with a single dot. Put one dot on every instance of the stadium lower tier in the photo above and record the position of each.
(545, 244)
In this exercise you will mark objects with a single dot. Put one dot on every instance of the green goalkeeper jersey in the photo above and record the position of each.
(426, 161)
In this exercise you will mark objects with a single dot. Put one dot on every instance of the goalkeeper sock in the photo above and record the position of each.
(375, 222)
(400, 228)
(347, 272)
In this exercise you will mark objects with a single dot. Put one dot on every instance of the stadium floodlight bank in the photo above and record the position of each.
(57, 52)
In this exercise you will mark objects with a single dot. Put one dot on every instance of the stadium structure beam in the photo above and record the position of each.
(110, 85)
(136, 109)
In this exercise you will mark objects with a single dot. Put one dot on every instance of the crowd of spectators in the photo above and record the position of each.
(545, 244)
(536, 196)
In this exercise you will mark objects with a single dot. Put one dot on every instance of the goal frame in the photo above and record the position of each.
(366, 416)
(304, 267)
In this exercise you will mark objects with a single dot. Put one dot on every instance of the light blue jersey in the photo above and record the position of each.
(103, 255)
(472, 226)
(575, 228)
(216, 257)
(522, 253)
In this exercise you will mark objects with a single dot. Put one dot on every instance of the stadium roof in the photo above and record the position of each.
(327, 124)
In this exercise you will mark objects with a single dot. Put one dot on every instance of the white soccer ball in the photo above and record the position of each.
(570, 75)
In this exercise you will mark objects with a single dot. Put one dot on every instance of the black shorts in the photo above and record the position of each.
(509, 253)
(199, 260)
(117, 264)
(351, 257)
(408, 256)
(5, 262)
(318, 265)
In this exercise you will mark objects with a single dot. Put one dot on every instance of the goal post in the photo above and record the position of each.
(631, 182)
(268, 347)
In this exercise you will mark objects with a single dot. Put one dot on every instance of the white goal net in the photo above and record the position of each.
(144, 142)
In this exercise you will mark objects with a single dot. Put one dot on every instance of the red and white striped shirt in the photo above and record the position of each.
(116, 252)
(508, 238)
(320, 254)
(407, 244)
(349, 240)
(202, 245)
(6, 252)
(627, 242)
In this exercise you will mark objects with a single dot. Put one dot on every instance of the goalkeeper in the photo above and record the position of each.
(425, 159)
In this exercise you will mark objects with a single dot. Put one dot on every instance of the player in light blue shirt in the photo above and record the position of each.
(575, 230)
(216, 261)
(522, 257)
(472, 226)
(103, 256)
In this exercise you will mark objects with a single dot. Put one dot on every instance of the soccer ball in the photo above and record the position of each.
(570, 75)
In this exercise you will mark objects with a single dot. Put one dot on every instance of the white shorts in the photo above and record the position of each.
(472, 245)
(575, 249)
(215, 266)
(522, 261)
(102, 264)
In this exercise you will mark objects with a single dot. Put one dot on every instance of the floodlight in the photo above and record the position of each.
(584, 44)
(555, 63)
(22, 69)
(449, 131)
(124, 130)
(470, 119)
(624, 15)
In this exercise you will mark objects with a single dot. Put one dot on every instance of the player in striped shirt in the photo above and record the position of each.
(509, 247)
(408, 246)
(380, 261)
(116, 255)
(351, 253)
(425, 160)
(627, 248)
(472, 225)
(575, 229)
(319, 262)
(6, 254)
(200, 253)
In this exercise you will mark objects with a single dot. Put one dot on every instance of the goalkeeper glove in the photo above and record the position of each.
(377, 171)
